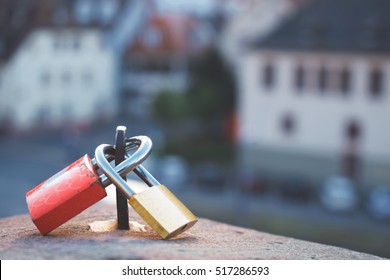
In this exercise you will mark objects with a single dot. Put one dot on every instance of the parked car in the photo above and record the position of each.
(339, 194)
(378, 203)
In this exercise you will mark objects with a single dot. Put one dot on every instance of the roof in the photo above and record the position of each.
(334, 25)
(170, 34)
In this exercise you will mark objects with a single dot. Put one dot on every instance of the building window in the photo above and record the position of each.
(84, 11)
(353, 131)
(299, 77)
(108, 9)
(376, 82)
(323, 77)
(268, 75)
(345, 81)
(288, 124)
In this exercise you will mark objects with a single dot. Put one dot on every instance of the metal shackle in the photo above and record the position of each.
(104, 152)
(145, 176)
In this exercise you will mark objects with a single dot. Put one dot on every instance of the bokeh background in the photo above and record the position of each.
(267, 114)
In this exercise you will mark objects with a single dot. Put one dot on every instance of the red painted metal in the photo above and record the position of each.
(64, 195)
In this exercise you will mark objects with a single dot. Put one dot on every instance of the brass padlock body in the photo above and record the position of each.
(163, 211)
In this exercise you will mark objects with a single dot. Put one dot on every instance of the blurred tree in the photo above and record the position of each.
(212, 90)
(210, 98)
(170, 106)
(201, 117)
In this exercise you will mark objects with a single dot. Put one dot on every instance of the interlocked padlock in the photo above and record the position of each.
(78, 186)
(157, 206)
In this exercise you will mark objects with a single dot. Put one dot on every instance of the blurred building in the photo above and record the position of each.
(141, 47)
(59, 59)
(158, 57)
(172, 34)
(58, 76)
(253, 20)
(200, 8)
(314, 95)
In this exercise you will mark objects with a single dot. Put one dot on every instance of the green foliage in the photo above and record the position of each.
(201, 113)
(211, 94)
(171, 105)
(213, 85)
(204, 103)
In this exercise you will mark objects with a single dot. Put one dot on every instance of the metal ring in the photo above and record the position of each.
(112, 175)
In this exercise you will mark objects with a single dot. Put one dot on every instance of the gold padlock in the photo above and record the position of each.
(158, 206)
(161, 209)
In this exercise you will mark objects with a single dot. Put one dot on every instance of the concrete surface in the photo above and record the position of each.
(206, 240)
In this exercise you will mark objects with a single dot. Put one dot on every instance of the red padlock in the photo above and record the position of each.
(77, 187)
(64, 195)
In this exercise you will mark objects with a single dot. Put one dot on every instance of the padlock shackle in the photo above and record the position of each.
(110, 154)
(140, 170)
(145, 176)
(132, 161)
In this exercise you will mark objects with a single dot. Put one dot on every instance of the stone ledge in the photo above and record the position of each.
(206, 240)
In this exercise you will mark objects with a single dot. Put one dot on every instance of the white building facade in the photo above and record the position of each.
(58, 76)
(304, 109)
(310, 120)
